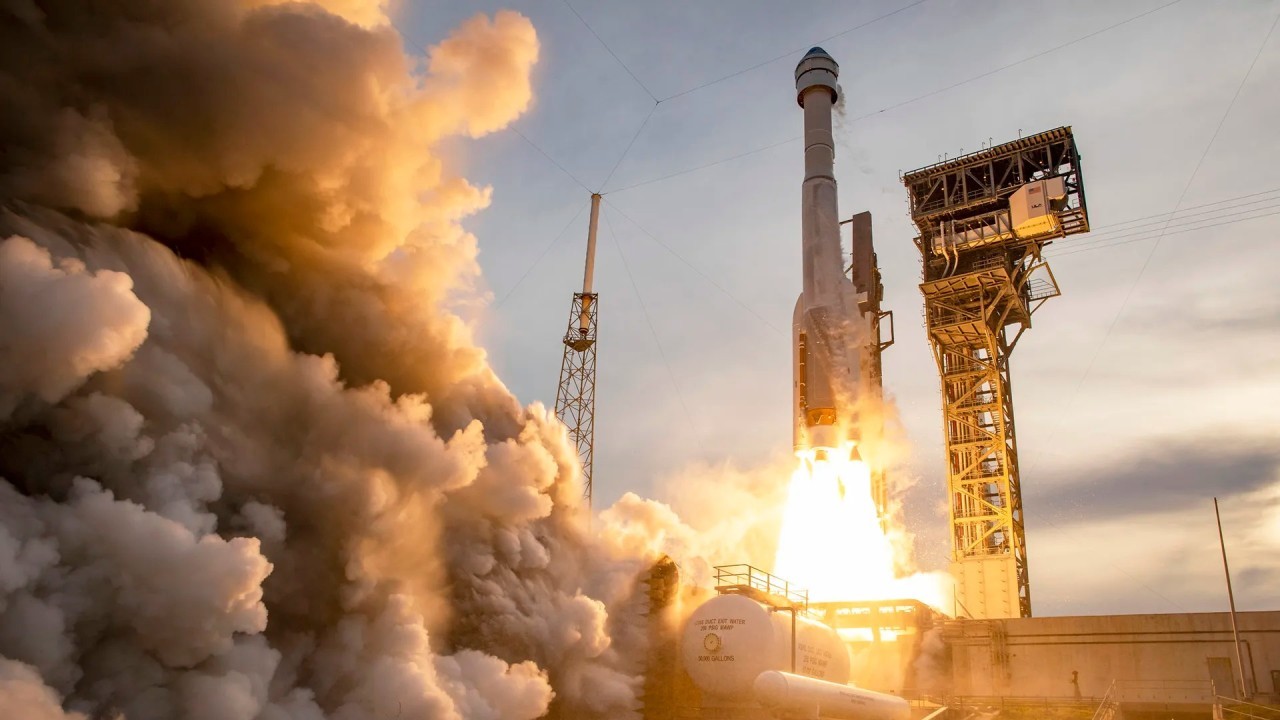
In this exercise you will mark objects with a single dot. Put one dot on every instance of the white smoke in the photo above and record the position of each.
(23, 695)
(87, 322)
(254, 467)
(929, 666)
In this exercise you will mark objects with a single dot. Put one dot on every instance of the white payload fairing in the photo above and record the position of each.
(830, 327)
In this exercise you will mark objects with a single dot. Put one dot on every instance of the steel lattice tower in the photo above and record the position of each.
(984, 219)
(576, 395)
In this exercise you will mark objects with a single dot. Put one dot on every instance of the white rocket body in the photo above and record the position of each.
(827, 327)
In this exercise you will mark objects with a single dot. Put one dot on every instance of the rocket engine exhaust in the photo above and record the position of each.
(828, 326)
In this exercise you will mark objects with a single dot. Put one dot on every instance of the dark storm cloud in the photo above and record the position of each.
(1170, 475)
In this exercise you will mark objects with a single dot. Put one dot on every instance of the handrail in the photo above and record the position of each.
(1107, 703)
(1275, 711)
(742, 575)
(1238, 701)
(968, 700)
(1242, 713)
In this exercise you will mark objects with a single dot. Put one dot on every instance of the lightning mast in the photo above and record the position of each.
(984, 219)
(576, 395)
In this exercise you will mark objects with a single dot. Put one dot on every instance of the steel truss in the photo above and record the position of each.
(979, 299)
(576, 395)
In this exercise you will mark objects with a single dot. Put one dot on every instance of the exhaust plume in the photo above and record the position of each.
(254, 466)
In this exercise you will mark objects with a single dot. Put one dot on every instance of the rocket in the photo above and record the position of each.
(829, 328)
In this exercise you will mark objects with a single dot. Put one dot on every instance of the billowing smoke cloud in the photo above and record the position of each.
(87, 322)
(253, 465)
(734, 515)
(930, 666)
(22, 694)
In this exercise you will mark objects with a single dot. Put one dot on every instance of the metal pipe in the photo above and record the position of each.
(791, 610)
(1231, 598)
(589, 271)
(1252, 687)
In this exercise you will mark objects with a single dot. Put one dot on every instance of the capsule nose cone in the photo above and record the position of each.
(818, 59)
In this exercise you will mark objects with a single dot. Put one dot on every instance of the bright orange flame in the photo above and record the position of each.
(832, 542)
(853, 635)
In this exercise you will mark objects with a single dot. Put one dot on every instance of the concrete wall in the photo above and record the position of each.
(1035, 657)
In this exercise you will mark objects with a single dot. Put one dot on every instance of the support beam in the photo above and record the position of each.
(984, 219)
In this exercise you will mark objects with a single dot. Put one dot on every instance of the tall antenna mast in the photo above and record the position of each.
(576, 396)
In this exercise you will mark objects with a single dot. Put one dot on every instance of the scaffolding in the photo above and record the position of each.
(984, 219)
(576, 394)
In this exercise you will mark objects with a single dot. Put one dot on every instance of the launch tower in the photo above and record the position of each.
(576, 395)
(837, 324)
(984, 219)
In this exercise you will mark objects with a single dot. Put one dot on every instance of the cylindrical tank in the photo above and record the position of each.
(730, 639)
(789, 694)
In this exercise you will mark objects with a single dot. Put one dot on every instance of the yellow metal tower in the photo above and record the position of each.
(984, 219)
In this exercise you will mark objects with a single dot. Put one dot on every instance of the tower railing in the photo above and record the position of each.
(764, 586)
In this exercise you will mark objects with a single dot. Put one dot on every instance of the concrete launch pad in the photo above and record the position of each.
(1100, 667)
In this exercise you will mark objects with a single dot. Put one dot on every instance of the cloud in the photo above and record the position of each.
(367, 13)
(1229, 312)
(22, 694)
(1159, 561)
(87, 322)
(1136, 532)
(1170, 475)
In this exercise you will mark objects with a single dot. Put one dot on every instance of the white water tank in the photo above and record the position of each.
(730, 639)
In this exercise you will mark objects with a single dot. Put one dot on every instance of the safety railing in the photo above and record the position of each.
(742, 577)
(1165, 691)
(1040, 289)
(964, 706)
(1109, 705)
(1230, 708)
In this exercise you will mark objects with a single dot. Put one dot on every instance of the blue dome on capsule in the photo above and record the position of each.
(817, 68)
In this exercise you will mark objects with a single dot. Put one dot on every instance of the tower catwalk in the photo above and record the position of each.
(576, 395)
(984, 219)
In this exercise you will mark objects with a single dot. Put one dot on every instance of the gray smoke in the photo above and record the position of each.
(930, 667)
(253, 465)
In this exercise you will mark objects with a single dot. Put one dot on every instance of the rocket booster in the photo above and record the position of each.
(828, 325)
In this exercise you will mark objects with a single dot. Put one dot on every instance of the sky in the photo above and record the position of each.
(1151, 386)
